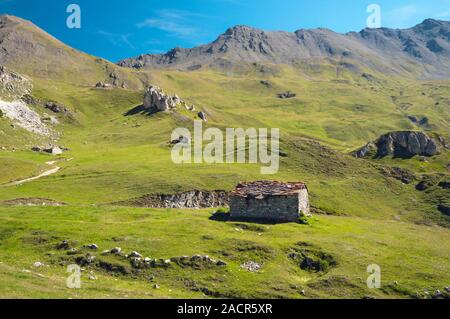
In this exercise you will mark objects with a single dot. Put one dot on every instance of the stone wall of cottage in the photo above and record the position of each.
(303, 202)
(277, 208)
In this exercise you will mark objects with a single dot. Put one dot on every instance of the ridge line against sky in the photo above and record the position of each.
(117, 29)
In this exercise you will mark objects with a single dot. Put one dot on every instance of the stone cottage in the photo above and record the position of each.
(269, 200)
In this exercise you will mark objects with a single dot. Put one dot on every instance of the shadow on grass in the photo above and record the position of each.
(140, 109)
(220, 216)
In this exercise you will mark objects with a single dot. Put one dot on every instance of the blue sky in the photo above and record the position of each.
(116, 29)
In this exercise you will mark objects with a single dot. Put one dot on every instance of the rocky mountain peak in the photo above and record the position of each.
(428, 24)
(242, 38)
(241, 31)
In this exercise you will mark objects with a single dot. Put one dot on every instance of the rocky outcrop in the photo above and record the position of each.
(12, 85)
(113, 81)
(401, 174)
(181, 140)
(156, 99)
(52, 149)
(14, 90)
(191, 199)
(405, 144)
(286, 95)
(202, 116)
(420, 121)
(23, 116)
(103, 85)
(56, 107)
(367, 150)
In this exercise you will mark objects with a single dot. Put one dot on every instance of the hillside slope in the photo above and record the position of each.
(27, 49)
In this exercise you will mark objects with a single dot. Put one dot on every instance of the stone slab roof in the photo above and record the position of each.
(267, 188)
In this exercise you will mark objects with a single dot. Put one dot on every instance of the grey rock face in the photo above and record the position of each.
(12, 85)
(156, 99)
(25, 117)
(386, 50)
(404, 144)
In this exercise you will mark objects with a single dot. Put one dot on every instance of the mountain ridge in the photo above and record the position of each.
(425, 46)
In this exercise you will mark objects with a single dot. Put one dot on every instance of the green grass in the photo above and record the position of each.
(20, 165)
(414, 256)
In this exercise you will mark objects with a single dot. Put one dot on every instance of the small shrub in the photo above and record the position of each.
(303, 220)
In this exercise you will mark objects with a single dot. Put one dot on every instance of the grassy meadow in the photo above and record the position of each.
(366, 217)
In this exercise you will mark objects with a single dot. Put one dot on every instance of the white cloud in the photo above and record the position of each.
(172, 27)
(117, 39)
(175, 22)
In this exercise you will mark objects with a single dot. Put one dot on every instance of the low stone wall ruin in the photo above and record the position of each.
(191, 199)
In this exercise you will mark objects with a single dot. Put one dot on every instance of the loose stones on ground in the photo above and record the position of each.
(202, 116)
(134, 254)
(116, 250)
(92, 246)
(251, 266)
(92, 275)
